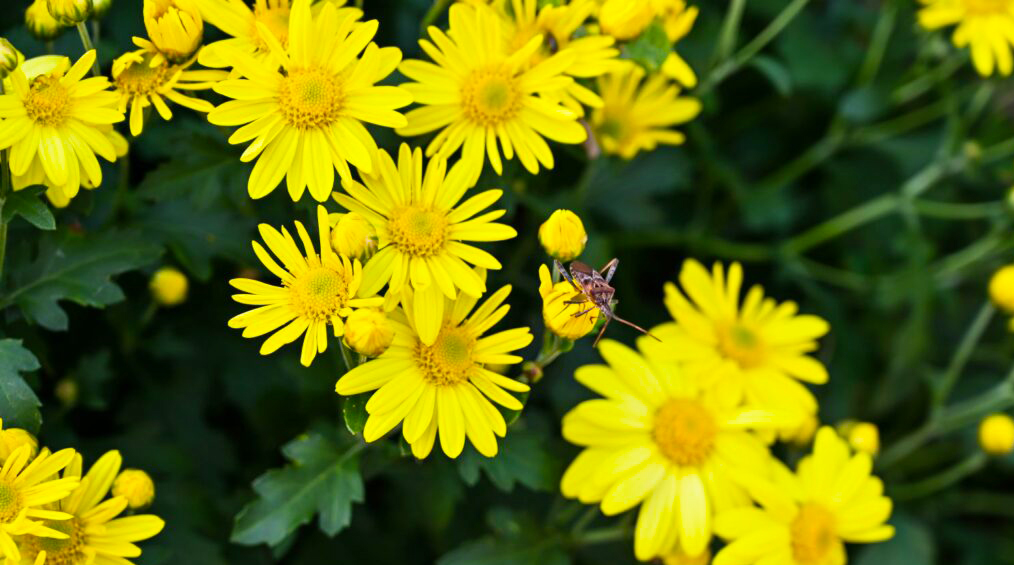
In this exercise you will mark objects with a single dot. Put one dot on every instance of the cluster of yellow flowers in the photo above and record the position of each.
(51, 511)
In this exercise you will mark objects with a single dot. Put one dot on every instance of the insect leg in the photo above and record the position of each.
(636, 327)
(585, 312)
(602, 331)
(566, 274)
(609, 269)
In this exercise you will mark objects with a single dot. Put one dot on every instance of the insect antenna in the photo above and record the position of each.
(636, 327)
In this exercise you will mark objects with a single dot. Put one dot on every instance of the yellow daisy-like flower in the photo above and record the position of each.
(659, 440)
(757, 351)
(479, 93)
(805, 517)
(443, 386)
(94, 534)
(307, 120)
(638, 115)
(56, 122)
(317, 291)
(559, 314)
(985, 26)
(626, 20)
(26, 492)
(422, 228)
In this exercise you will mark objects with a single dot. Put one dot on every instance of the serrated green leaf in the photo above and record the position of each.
(323, 478)
(196, 236)
(18, 404)
(354, 413)
(200, 173)
(522, 459)
(650, 49)
(29, 205)
(76, 268)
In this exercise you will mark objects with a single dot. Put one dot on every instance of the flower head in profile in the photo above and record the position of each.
(40, 23)
(984, 26)
(660, 441)
(443, 388)
(317, 291)
(307, 120)
(639, 115)
(806, 517)
(626, 20)
(756, 351)
(13, 438)
(560, 311)
(424, 231)
(486, 100)
(55, 121)
(175, 27)
(93, 533)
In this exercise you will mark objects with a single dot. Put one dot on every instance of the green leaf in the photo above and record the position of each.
(775, 72)
(76, 268)
(29, 205)
(200, 173)
(323, 478)
(650, 49)
(196, 236)
(522, 459)
(18, 404)
(354, 413)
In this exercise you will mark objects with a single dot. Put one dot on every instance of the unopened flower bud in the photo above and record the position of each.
(354, 237)
(40, 23)
(70, 12)
(368, 332)
(996, 434)
(175, 27)
(1001, 288)
(563, 236)
(169, 286)
(10, 58)
(136, 486)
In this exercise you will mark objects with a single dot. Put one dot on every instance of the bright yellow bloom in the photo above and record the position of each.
(56, 122)
(638, 115)
(996, 434)
(563, 236)
(70, 12)
(94, 534)
(559, 316)
(422, 228)
(27, 491)
(986, 26)
(10, 58)
(660, 440)
(175, 27)
(444, 386)
(354, 236)
(307, 122)
(168, 286)
(626, 20)
(317, 291)
(13, 438)
(480, 93)
(369, 332)
(755, 352)
(136, 486)
(40, 23)
(805, 517)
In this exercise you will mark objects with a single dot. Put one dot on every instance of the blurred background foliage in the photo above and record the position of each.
(856, 165)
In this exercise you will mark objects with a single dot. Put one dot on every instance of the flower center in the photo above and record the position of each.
(311, 98)
(987, 7)
(276, 18)
(449, 360)
(48, 103)
(813, 534)
(612, 126)
(491, 96)
(11, 503)
(418, 231)
(139, 77)
(685, 431)
(69, 551)
(319, 293)
(742, 345)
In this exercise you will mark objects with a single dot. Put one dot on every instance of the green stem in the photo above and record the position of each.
(433, 13)
(961, 355)
(941, 480)
(878, 43)
(958, 210)
(730, 29)
(5, 188)
(846, 221)
(345, 356)
(604, 535)
(86, 40)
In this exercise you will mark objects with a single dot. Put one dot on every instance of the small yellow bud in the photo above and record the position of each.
(136, 486)
(624, 19)
(563, 236)
(558, 315)
(13, 438)
(10, 58)
(175, 27)
(66, 391)
(1001, 288)
(996, 434)
(679, 558)
(368, 332)
(40, 23)
(354, 237)
(864, 437)
(169, 286)
(70, 12)
(100, 7)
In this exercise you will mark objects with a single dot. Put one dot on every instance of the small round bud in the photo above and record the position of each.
(66, 391)
(70, 12)
(175, 27)
(100, 7)
(996, 434)
(13, 438)
(532, 371)
(40, 23)
(563, 236)
(169, 286)
(136, 486)
(1001, 288)
(369, 332)
(354, 237)
(864, 437)
(10, 58)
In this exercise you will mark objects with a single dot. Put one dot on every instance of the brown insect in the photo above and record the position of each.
(594, 287)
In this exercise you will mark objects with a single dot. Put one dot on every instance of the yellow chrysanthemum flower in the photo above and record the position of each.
(443, 387)
(94, 533)
(660, 440)
(805, 517)
(308, 120)
(479, 93)
(985, 26)
(317, 291)
(756, 352)
(56, 122)
(143, 78)
(559, 314)
(175, 27)
(638, 115)
(626, 20)
(422, 229)
(27, 491)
